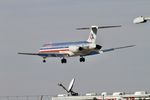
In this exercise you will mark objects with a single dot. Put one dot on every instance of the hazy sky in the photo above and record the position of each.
(27, 24)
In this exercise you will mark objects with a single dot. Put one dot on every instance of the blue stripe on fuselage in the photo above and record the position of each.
(64, 45)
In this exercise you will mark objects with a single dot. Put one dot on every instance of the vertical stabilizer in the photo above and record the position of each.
(93, 33)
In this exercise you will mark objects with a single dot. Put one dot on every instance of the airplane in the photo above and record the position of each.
(141, 19)
(72, 49)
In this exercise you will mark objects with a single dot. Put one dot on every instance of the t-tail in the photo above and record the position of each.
(93, 31)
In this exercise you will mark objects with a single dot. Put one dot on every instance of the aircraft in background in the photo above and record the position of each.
(141, 19)
(71, 49)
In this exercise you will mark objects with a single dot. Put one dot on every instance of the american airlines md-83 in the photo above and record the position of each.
(71, 49)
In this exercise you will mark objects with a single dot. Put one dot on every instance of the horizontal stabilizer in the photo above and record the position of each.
(100, 27)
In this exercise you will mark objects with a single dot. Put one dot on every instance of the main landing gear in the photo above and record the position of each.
(82, 59)
(63, 60)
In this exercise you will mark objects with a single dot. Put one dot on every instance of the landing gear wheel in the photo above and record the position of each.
(44, 61)
(82, 59)
(63, 60)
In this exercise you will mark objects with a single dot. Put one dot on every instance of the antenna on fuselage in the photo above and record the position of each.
(69, 90)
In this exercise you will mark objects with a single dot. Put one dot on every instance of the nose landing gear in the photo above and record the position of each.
(44, 59)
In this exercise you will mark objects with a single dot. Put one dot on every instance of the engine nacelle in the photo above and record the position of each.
(98, 46)
(74, 48)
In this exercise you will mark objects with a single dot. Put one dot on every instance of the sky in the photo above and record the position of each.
(25, 25)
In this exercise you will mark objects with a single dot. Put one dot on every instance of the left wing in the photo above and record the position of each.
(28, 53)
(45, 54)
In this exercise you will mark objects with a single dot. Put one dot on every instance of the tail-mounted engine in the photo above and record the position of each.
(98, 46)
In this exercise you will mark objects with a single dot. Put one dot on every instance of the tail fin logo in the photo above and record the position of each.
(91, 37)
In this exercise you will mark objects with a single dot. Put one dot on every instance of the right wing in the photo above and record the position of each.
(112, 49)
(108, 50)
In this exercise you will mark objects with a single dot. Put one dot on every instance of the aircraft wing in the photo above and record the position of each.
(45, 54)
(107, 50)
(112, 49)
(28, 53)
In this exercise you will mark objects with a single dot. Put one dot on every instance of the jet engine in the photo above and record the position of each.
(98, 46)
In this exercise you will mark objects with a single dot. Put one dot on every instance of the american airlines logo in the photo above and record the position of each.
(91, 36)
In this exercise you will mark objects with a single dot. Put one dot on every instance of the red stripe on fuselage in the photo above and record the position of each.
(57, 50)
